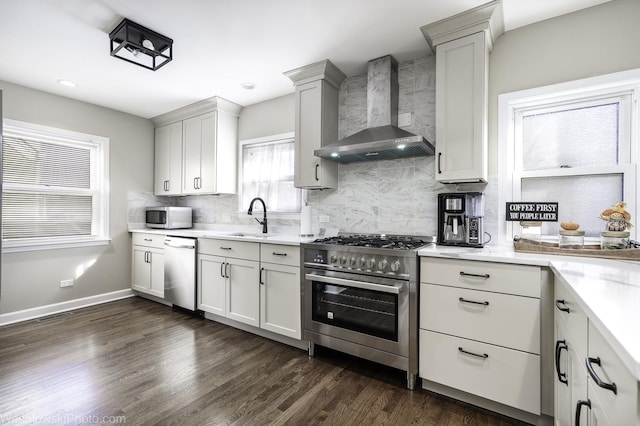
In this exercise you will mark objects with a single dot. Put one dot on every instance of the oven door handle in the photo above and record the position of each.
(352, 283)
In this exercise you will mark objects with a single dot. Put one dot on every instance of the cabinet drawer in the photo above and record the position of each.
(573, 317)
(229, 248)
(497, 277)
(503, 375)
(280, 254)
(500, 319)
(621, 407)
(148, 240)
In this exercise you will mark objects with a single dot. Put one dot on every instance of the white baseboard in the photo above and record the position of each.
(41, 311)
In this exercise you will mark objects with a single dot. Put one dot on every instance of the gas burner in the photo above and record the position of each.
(393, 242)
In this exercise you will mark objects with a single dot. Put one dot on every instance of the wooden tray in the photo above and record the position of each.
(529, 246)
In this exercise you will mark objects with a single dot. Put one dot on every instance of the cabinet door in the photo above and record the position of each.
(211, 284)
(191, 154)
(280, 299)
(461, 109)
(168, 159)
(156, 282)
(243, 294)
(578, 385)
(208, 153)
(140, 269)
(316, 123)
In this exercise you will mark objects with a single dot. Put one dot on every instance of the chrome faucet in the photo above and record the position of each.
(262, 222)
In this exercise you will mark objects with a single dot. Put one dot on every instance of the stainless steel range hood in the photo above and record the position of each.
(382, 139)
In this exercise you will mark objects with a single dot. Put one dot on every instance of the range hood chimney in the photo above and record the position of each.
(382, 139)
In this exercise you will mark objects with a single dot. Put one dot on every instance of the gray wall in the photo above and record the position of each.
(600, 40)
(271, 117)
(31, 279)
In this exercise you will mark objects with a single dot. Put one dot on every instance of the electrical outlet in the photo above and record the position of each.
(404, 120)
(324, 219)
(66, 283)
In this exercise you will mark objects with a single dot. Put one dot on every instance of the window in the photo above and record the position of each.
(54, 188)
(574, 143)
(267, 172)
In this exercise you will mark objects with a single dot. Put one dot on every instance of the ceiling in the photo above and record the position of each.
(219, 44)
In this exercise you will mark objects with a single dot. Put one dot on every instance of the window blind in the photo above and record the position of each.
(47, 189)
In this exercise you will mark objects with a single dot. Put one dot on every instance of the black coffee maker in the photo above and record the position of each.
(460, 219)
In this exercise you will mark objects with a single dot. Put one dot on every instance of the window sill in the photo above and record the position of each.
(22, 246)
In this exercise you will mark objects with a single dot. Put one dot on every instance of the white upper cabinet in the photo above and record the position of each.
(461, 105)
(462, 44)
(168, 159)
(208, 149)
(316, 122)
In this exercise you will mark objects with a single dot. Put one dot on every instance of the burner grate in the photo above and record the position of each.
(394, 242)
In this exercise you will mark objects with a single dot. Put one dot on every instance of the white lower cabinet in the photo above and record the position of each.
(491, 371)
(480, 331)
(147, 264)
(592, 385)
(243, 294)
(280, 299)
(252, 283)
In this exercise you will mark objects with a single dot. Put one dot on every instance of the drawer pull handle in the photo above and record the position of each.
(279, 254)
(604, 385)
(485, 303)
(561, 305)
(225, 248)
(466, 274)
(462, 351)
(579, 409)
(560, 346)
(148, 239)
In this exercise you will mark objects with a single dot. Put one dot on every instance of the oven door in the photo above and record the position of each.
(365, 310)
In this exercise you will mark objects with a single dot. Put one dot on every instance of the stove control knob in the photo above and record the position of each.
(371, 263)
(395, 266)
(362, 261)
(382, 265)
(343, 260)
(333, 259)
(352, 261)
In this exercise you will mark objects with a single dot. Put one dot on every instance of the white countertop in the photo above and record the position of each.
(222, 234)
(607, 290)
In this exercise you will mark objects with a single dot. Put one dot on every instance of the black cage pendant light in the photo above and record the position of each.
(134, 43)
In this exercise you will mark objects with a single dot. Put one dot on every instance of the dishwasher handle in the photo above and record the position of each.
(168, 243)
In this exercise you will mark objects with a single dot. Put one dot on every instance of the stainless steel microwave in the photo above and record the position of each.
(168, 217)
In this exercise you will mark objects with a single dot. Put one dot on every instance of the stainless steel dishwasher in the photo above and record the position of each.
(180, 272)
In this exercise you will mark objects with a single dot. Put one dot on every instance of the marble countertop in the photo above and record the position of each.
(237, 234)
(607, 290)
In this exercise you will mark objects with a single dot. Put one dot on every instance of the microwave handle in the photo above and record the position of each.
(351, 283)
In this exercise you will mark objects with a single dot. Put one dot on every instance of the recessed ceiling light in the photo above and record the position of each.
(248, 85)
(67, 83)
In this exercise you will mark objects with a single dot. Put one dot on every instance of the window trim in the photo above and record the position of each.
(272, 139)
(600, 87)
(100, 172)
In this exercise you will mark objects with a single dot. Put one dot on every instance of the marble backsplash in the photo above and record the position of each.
(393, 196)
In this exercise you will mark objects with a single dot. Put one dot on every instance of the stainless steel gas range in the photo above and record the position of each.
(360, 296)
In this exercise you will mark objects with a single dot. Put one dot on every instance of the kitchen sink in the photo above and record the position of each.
(248, 234)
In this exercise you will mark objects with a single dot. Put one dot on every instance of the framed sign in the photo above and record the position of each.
(540, 212)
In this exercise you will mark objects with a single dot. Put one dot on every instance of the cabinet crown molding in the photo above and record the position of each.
(487, 17)
(214, 103)
(322, 70)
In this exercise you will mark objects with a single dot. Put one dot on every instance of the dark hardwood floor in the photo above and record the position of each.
(138, 362)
